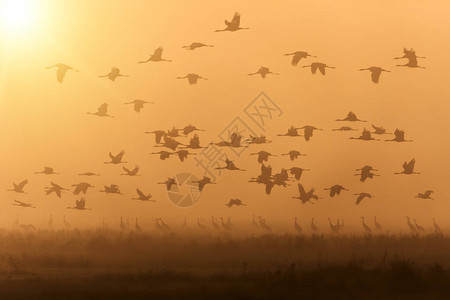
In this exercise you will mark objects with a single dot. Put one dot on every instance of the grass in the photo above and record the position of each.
(105, 264)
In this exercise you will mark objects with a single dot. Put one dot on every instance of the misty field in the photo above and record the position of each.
(94, 264)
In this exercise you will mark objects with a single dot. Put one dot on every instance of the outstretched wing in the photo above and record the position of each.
(301, 189)
(158, 52)
(78, 189)
(22, 184)
(138, 106)
(120, 155)
(102, 109)
(411, 164)
(322, 69)
(236, 19)
(359, 199)
(140, 193)
(60, 74)
(376, 75)
(295, 59)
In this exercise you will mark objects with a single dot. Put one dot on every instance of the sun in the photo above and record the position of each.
(17, 16)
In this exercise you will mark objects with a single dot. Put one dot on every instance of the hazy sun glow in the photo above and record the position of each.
(17, 16)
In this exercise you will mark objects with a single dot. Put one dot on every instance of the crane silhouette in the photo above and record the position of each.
(164, 226)
(366, 172)
(22, 204)
(196, 45)
(263, 224)
(281, 178)
(399, 136)
(113, 74)
(297, 56)
(194, 143)
(263, 72)
(190, 128)
(375, 73)
(18, 188)
(437, 228)
(79, 204)
(318, 66)
(365, 227)
(159, 134)
(334, 227)
(258, 140)
(61, 70)
(88, 174)
(163, 155)
(112, 189)
(418, 227)
(336, 190)
(412, 228)
(365, 136)
(142, 196)
(229, 166)
(234, 142)
(235, 202)
(306, 196)
(202, 182)
(183, 154)
(297, 172)
(169, 183)
(116, 159)
(425, 195)
(293, 154)
(409, 54)
(362, 196)
(102, 111)
(226, 226)
(234, 24)
(308, 131)
(81, 187)
(297, 227)
(345, 128)
(351, 117)
(55, 188)
(377, 225)
(192, 78)
(155, 57)
(262, 156)
(129, 172)
(170, 143)
(174, 132)
(379, 130)
(292, 131)
(408, 167)
(138, 104)
(412, 59)
(47, 171)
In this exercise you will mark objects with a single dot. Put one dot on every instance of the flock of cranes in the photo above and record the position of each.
(234, 25)
(169, 140)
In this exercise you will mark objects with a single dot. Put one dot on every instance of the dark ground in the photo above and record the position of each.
(112, 265)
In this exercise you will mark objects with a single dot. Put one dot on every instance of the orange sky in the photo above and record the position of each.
(45, 123)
